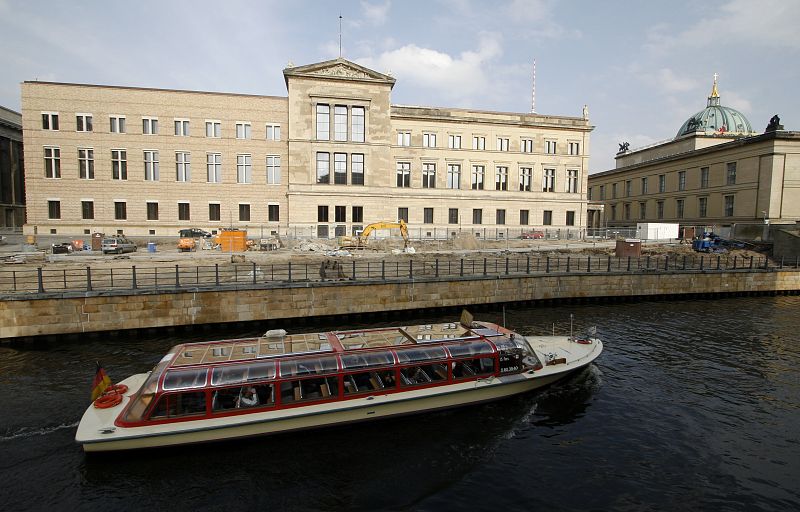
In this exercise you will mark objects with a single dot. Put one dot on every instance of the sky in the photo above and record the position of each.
(641, 67)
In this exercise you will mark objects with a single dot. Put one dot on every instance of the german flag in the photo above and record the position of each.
(100, 383)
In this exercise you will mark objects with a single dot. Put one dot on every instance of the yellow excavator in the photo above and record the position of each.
(360, 240)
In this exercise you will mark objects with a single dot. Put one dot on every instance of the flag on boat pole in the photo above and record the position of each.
(101, 382)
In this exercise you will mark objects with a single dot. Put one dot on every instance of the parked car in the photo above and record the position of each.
(118, 245)
(62, 248)
(532, 235)
(194, 233)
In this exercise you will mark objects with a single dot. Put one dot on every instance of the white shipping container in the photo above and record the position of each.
(656, 231)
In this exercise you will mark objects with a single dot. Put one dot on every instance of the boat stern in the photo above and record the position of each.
(97, 424)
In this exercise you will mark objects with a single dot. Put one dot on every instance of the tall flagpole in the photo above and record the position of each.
(533, 89)
(340, 36)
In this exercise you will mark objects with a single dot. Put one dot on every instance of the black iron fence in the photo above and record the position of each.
(233, 276)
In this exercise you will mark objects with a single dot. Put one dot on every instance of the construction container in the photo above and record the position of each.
(97, 241)
(629, 247)
(232, 240)
(656, 231)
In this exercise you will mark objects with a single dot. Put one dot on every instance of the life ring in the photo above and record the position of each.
(107, 401)
(584, 341)
(116, 389)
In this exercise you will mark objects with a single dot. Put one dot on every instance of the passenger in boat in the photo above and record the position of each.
(249, 398)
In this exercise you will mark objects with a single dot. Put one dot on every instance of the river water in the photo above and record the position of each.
(694, 405)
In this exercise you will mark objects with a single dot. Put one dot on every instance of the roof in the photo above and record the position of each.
(337, 69)
(716, 118)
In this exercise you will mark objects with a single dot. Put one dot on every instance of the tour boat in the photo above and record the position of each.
(211, 391)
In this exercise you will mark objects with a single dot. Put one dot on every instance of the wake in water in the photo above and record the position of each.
(26, 432)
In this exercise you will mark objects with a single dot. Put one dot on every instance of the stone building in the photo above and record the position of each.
(12, 174)
(328, 159)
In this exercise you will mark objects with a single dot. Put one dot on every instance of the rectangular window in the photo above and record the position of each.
(120, 210)
(589, 193)
(729, 206)
(662, 183)
(613, 212)
(501, 178)
(214, 212)
(86, 164)
(479, 143)
(429, 140)
(602, 192)
(273, 213)
(53, 209)
(357, 169)
(340, 168)
(244, 169)
(402, 214)
(87, 210)
(243, 130)
(526, 145)
(704, 177)
(117, 124)
(182, 127)
(524, 217)
(549, 180)
(427, 216)
(150, 125)
(525, 174)
(570, 220)
(323, 122)
(454, 176)
(183, 211)
(403, 174)
(660, 209)
(572, 181)
(574, 148)
(323, 167)
(477, 216)
(454, 141)
(502, 144)
(642, 211)
(428, 175)
(273, 132)
(214, 167)
(322, 214)
(83, 122)
(550, 147)
(500, 217)
(340, 214)
(702, 206)
(358, 123)
(340, 123)
(403, 138)
(731, 175)
(613, 191)
(547, 218)
(679, 208)
(183, 171)
(644, 186)
(152, 210)
(681, 180)
(627, 208)
(52, 162)
(628, 188)
(213, 129)
(358, 214)
(477, 177)
(49, 120)
(244, 212)
(452, 216)
(151, 165)
(119, 164)
(273, 170)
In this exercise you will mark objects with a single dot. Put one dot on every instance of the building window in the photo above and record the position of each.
(702, 206)
(644, 186)
(429, 140)
(243, 130)
(323, 122)
(52, 162)
(427, 215)
(357, 121)
(340, 168)
(340, 214)
(358, 214)
(704, 177)
(452, 216)
(117, 124)
(428, 175)
(403, 174)
(478, 172)
(613, 191)
(403, 138)
(150, 125)
(642, 211)
(454, 176)
(731, 176)
(120, 210)
(119, 164)
(454, 141)
(479, 143)
(340, 123)
(273, 170)
(244, 212)
(613, 212)
(502, 144)
(550, 147)
(729, 206)
(322, 214)
(589, 193)
(477, 216)
(152, 210)
(273, 213)
(402, 214)
(323, 167)
(151, 165)
(662, 183)
(679, 208)
(525, 179)
(213, 129)
(87, 210)
(49, 121)
(627, 208)
(501, 178)
(524, 217)
(83, 122)
(182, 166)
(681, 180)
(214, 212)
(214, 167)
(570, 220)
(602, 192)
(572, 181)
(500, 217)
(273, 132)
(53, 209)
(628, 188)
(549, 180)
(182, 127)
(183, 211)
(357, 169)
(660, 209)
(86, 164)
(244, 169)
(526, 145)
(547, 218)
(574, 148)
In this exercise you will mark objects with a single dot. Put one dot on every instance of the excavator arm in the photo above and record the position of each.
(361, 239)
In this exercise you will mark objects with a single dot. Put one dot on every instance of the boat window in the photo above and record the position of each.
(411, 355)
(250, 372)
(470, 348)
(469, 368)
(309, 366)
(175, 405)
(311, 389)
(367, 359)
(182, 379)
(368, 382)
(423, 374)
(243, 397)
(516, 355)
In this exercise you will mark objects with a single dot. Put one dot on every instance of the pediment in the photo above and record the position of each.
(339, 69)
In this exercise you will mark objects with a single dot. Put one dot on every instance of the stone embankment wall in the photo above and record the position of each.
(114, 311)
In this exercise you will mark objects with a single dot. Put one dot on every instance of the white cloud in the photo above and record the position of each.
(376, 13)
(668, 82)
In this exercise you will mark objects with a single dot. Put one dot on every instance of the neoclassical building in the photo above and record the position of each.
(12, 175)
(717, 171)
(331, 157)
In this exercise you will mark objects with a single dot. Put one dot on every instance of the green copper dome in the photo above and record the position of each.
(716, 119)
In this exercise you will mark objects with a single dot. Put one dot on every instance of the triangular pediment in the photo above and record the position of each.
(338, 69)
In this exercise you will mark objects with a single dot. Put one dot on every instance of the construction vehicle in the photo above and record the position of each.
(361, 239)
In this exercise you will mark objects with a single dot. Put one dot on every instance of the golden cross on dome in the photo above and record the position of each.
(714, 93)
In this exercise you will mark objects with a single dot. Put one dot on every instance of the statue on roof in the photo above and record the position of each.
(774, 124)
(623, 148)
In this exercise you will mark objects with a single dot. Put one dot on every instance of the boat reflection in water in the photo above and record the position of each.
(276, 383)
